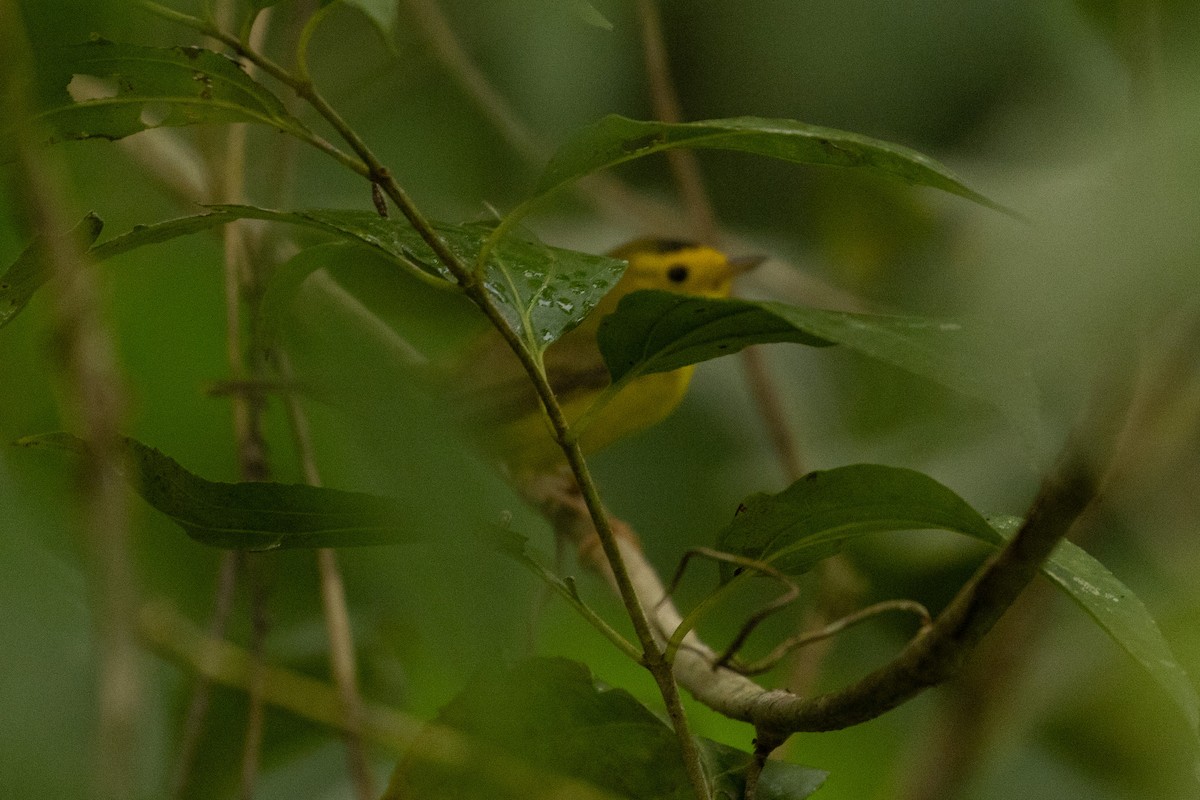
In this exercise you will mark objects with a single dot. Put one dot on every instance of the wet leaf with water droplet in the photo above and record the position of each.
(811, 519)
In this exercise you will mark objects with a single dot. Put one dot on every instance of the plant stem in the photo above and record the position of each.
(94, 400)
(667, 108)
(342, 664)
(469, 282)
(197, 713)
(165, 630)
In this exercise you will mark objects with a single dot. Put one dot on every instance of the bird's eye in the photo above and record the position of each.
(677, 274)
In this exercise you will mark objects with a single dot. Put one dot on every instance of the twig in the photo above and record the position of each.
(936, 654)
(342, 663)
(433, 24)
(469, 282)
(249, 441)
(165, 630)
(785, 647)
(1166, 390)
(692, 619)
(197, 712)
(684, 165)
(95, 398)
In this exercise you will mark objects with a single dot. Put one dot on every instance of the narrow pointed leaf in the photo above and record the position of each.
(544, 291)
(27, 274)
(253, 516)
(126, 88)
(812, 518)
(553, 715)
(655, 331)
(615, 139)
(809, 520)
(1121, 614)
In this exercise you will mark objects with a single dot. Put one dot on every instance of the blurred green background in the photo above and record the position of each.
(1082, 115)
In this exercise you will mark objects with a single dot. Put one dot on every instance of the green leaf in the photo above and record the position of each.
(655, 331)
(129, 88)
(809, 520)
(553, 715)
(1120, 613)
(382, 12)
(28, 274)
(590, 14)
(252, 516)
(615, 139)
(543, 291)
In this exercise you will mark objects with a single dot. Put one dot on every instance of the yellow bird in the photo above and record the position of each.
(503, 406)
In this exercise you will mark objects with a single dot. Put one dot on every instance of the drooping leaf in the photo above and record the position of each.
(655, 331)
(616, 139)
(554, 716)
(27, 274)
(253, 516)
(1122, 615)
(124, 88)
(809, 520)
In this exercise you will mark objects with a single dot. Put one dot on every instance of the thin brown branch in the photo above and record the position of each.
(196, 717)
(1145, 451)
(667, 108)
(774, 416)
(342, 662)
(936, 654)
(436, 29)
(785, 647)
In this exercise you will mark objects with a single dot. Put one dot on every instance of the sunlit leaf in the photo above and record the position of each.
(253, 516)
(809, 521)
(27, 274)
(554, 716)
(615, 139)
(120, 89)
(655, 331)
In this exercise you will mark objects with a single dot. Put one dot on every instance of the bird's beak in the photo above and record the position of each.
(740, 265)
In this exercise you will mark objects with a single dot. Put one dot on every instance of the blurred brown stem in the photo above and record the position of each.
(342, 662)
(94, 400)
(667, 108)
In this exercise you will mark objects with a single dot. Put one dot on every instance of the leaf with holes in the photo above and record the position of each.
(109, 90)
(543, 291)
(27, 273)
